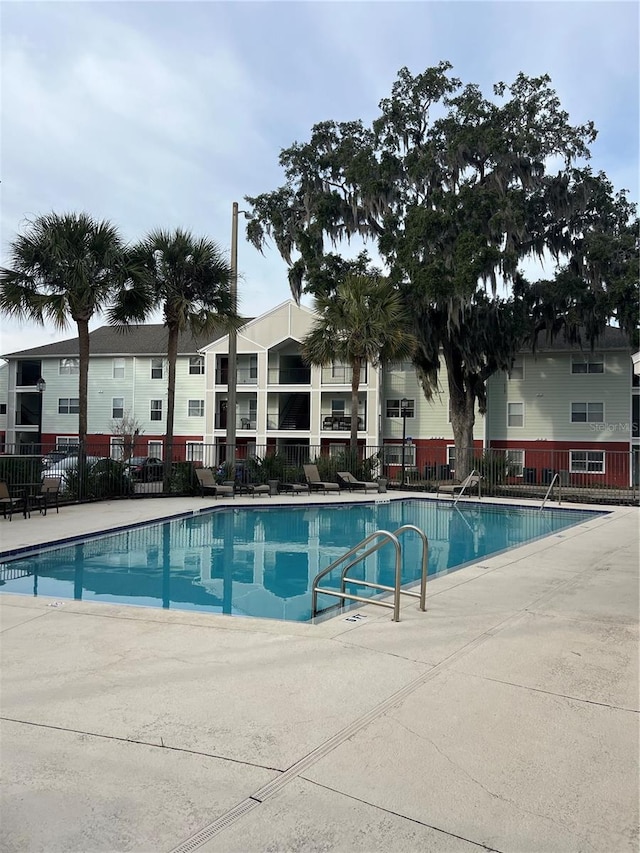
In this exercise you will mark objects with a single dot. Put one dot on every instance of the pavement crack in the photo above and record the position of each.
(517, 806)
(479, 844)
(24, 622)
(548, 692)
(162, 745)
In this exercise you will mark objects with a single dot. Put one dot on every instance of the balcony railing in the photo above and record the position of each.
(341, 375)
(289, 376)
(242, 422)
(276, 421)
(244, 376)
(338, 422)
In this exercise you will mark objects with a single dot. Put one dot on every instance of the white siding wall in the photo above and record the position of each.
(547, 390)
(431, 417)
(137, 390)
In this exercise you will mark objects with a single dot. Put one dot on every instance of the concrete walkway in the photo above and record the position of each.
(505, 718)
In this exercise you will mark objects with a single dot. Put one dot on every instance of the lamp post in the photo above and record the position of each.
(403, 411)
(41, 385)
(232, 378)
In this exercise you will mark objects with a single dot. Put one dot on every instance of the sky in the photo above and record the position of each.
(162, 114)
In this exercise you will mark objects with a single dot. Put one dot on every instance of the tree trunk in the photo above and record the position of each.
(172, 355)
(355, 387)
(462, 404)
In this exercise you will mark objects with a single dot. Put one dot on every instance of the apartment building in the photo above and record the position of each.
(127, 379)
(560, 409)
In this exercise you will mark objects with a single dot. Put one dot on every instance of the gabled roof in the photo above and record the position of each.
(611, 339)
(147, 339)
(289, 312)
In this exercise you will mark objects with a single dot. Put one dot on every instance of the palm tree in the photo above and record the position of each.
(362, 321)
(66, 267)
(189, 280)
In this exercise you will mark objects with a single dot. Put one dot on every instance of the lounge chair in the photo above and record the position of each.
(11, 502)
(315, 483)
(293, 488)
(48, 496)
(346, 479)
(207, 483)
(258, 489)
(470, 482)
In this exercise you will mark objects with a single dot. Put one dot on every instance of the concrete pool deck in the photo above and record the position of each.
(505, 718)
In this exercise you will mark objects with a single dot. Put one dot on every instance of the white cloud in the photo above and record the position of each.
(163, 114)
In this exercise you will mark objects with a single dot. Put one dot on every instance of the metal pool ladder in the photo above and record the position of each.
(556, 478)
(382, 537)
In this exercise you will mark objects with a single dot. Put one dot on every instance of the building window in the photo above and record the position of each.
(156, 410)
(336, 449)
(393, 454)
(195, 451)
(393, 409)
(517, 370)
(3, 408)
(196, 408)
(515, 462)
(586, 461)
(400, 367)
(118, 368)
(154, 448)
(451, 458)
(515, 414)
(68, 406)
(116, 447)
(69, 366)
(156, 368)
(338, 371)
(587, 364)
(196, 365)
(337, 408)
(587, 413)
(253, 367)
(117, 408)
(67, 442)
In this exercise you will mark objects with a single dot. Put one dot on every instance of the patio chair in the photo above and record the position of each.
(48, 496)
(315, 483)
(470, 482)
(346, 479)
(207, 483)
(11, 502)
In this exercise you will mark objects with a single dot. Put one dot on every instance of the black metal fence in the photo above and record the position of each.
(600, 476)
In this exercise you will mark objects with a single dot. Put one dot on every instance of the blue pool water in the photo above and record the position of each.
(262, 561)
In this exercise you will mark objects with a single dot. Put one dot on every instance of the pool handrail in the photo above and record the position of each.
(556, 477)
(383, 536)
(469, 482)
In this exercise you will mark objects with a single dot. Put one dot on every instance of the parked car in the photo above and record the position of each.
(147, 469)
(56, 456)
(67, 463)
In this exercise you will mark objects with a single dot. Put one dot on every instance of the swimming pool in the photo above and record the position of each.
(262, 561)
